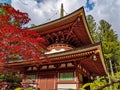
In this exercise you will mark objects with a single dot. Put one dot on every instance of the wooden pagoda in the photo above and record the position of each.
(72, 57)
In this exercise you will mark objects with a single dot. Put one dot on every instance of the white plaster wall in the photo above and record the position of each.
(66, 86)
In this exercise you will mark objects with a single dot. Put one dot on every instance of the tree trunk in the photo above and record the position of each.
(111, 68)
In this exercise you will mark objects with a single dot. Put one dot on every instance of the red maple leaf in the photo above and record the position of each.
(15, 42)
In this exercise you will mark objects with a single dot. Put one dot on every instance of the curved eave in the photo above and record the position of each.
(95, 67)
(86, 26)
(99, 63)
(102, 58)
(64, 21)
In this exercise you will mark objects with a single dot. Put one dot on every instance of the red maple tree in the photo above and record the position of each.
(16, 42)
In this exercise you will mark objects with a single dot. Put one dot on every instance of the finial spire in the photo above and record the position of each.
(61, 11)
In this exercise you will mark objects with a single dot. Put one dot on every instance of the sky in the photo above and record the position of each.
(42, 11)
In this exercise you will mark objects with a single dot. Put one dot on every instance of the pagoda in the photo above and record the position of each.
(73, 58)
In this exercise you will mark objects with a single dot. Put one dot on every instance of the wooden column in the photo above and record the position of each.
(77, 78)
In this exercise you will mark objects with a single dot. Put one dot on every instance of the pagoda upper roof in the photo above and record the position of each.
(74, 24)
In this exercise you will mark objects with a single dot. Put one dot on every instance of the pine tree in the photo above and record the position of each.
(111, 49)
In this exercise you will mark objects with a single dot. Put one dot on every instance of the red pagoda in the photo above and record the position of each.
(72, 57)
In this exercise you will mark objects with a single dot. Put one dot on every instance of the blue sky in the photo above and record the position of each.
(89, 5)
(42, 11)
(38, 1)
(5, 1)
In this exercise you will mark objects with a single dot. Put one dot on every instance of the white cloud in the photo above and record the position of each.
(46, 10)
(49, 9)
(108, 10)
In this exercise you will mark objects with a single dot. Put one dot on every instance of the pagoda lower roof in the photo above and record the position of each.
(83, 55)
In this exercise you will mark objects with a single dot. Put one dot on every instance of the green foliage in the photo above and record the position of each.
(28, 89)
(92, 26)
(2, 11)
(103, 83)
(13, 78)
(96, 83)
(85, 85)
(18, 89)
(104, 33)
(109, 49)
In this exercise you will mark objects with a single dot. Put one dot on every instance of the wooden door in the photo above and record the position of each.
(47, 82)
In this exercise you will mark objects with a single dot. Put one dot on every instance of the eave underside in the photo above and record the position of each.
(71, 29)
(82, 57)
